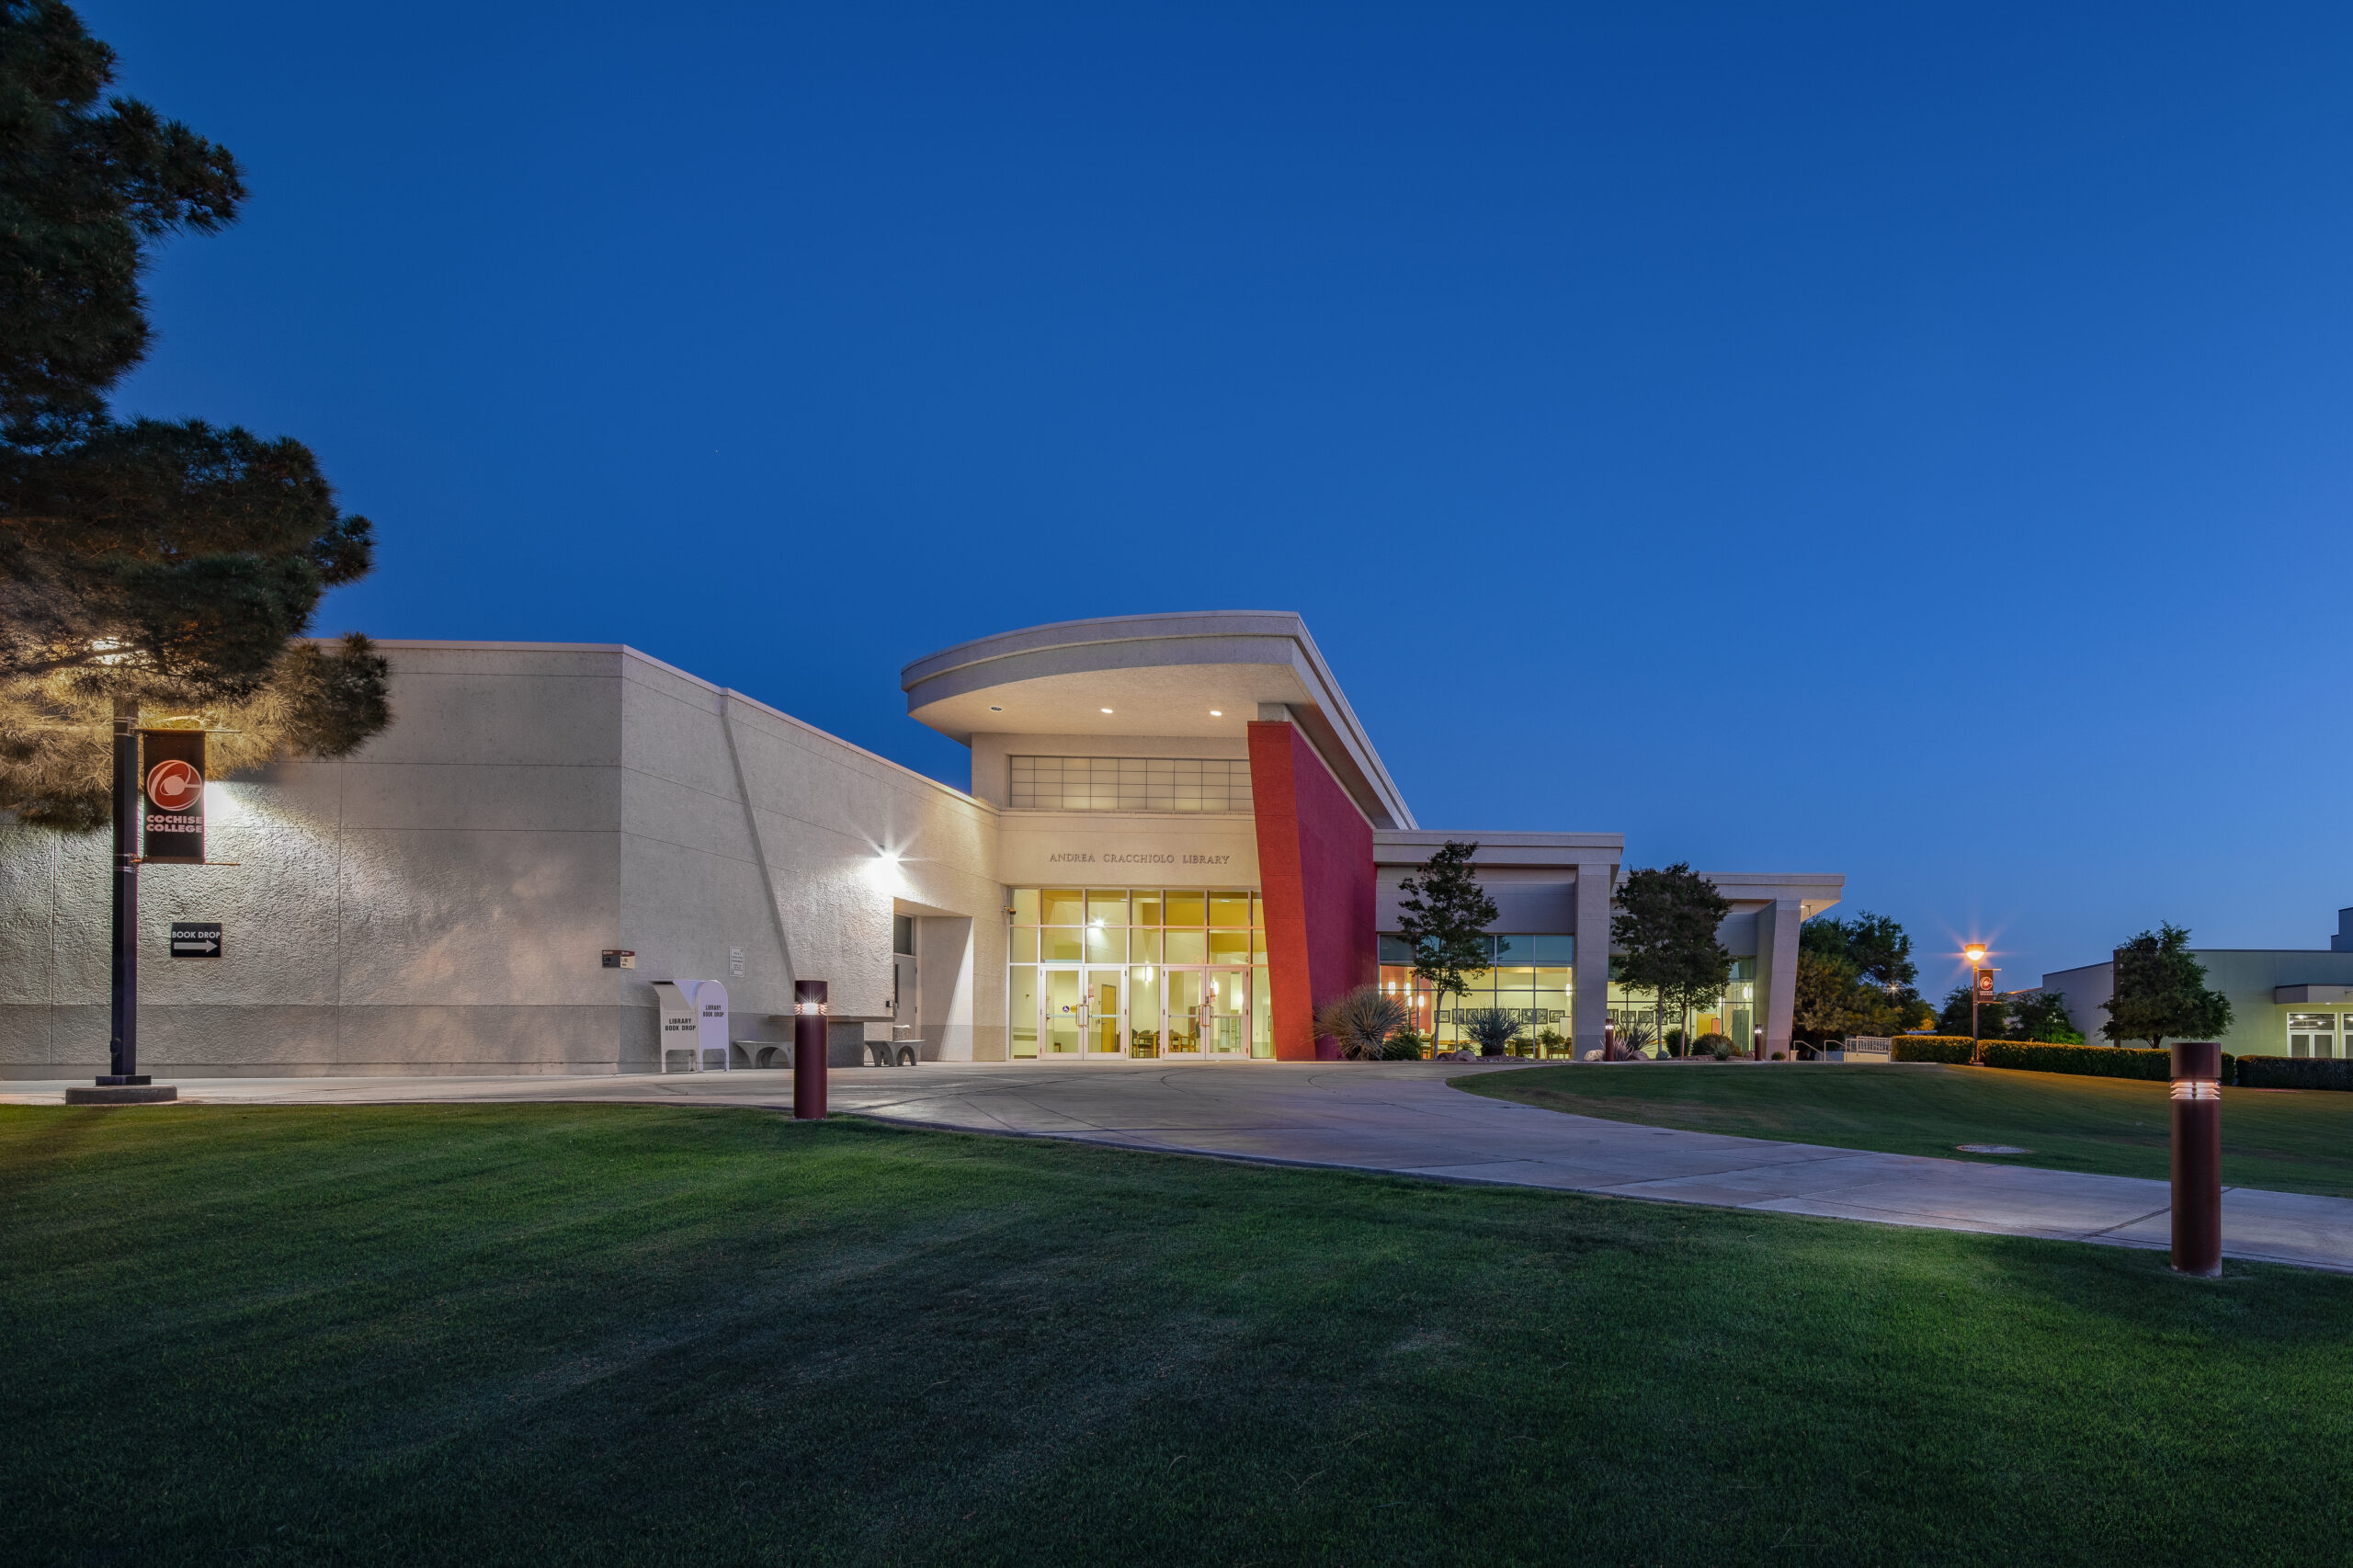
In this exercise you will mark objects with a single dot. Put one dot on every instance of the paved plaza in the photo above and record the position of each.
(1403, 1117)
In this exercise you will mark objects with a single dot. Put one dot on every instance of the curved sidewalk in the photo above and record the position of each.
(1402, 1118)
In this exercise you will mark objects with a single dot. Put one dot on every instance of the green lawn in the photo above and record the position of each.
(557, 1335)
(2289, 1139)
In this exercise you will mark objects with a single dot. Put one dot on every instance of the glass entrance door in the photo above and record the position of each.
(1065, 995)
(1186, 989)
(1099, 1021)
(1209, 1013)
(1083, 1012)
(1225, 1024)
(1189, 1014)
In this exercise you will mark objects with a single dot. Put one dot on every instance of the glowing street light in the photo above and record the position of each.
(1981, 986)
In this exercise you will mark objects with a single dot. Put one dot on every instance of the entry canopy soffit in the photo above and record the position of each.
(1193, 674)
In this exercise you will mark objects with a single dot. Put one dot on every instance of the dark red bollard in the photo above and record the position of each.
(2197, 1157)
(809, 1050)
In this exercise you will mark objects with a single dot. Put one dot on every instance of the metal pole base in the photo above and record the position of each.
(112, 1079)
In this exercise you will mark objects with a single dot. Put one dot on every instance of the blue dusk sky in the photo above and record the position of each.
(1904, 441)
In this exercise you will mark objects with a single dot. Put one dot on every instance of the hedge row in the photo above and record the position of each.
(2116, 1061)
(2090, 1061)
(2289, 1072)
(1931, 1048)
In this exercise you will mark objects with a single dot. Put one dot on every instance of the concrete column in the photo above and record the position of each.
(1592, 981)
(1777, 969)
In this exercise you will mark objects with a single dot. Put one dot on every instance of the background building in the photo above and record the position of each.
(2284, 1001)
(1178, 840)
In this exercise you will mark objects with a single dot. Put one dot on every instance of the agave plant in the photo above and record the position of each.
(1361, 1021)
(1492, 1027)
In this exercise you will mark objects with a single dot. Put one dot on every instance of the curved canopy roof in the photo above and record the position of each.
(1205, 672)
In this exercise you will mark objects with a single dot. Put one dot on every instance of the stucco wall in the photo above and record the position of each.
(439, 902)
(417, 908)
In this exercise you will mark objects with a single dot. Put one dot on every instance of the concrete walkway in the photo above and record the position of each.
(1403, 1117)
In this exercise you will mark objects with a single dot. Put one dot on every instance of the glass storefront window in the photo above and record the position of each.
(2312, 1034)
(1532, 978)
(1022, 991)
(1090, 974)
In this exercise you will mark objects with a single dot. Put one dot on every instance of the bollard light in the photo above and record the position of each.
(809, 1050)
(2197, 1157)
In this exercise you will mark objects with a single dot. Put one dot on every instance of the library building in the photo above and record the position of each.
(1176, 843)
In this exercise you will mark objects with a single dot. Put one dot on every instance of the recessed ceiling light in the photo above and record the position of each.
(1107, 711)
(1217, 712)
(995, 709)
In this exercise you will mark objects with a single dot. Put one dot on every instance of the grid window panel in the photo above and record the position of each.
(1128, 783)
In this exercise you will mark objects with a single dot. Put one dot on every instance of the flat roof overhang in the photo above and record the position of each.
(1560, 851)
(2288, 996)
(1200, 673)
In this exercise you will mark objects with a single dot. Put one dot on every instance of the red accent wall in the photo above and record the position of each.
(1315, 871)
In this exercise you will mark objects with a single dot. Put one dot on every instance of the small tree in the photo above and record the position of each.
(1443, 914)
(2042, 1015)
(1829, 994)
(2161, 993)
(1665, 931)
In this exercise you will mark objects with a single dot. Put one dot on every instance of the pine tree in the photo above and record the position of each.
(164, 571)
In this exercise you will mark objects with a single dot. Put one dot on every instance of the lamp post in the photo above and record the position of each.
(2198, 1158)
(809, 1050)
(123, 1048)
(1978, 973)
